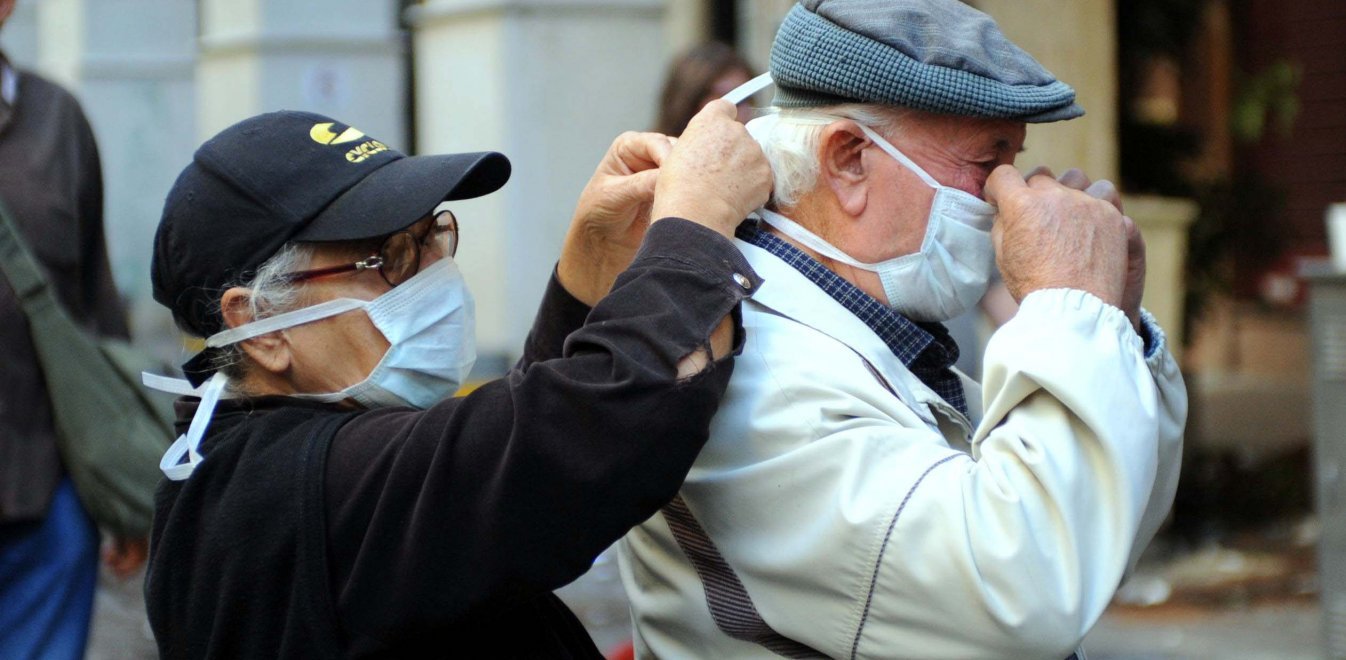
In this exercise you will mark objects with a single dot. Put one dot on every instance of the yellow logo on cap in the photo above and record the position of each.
(323, 134)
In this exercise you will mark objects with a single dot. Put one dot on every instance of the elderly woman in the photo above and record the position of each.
(327, 497)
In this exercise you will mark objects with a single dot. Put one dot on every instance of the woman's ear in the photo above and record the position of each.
(841, 149)
(270, 351)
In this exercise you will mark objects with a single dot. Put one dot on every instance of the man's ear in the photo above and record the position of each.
(270, 351)
(841, 149)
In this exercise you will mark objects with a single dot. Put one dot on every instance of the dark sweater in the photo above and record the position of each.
(316, 531)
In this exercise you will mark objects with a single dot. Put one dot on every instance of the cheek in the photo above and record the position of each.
(367, 344)
(971, 179)
(340, 351)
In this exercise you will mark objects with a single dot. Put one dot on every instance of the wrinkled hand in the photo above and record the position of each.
(612, 215)
(125, 556)
(1052, 235)
(715, 175)
(1135, 243)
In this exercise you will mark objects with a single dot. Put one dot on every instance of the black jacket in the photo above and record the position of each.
(315, 531)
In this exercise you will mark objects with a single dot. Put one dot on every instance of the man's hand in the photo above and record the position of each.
(612, 215)
(1135, 253)
(125, 556)
(1051, 235)
(715, 175)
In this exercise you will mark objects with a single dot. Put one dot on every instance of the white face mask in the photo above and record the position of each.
(428, 320)
(954, 266)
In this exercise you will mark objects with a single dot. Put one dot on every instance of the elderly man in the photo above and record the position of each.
(857, 498)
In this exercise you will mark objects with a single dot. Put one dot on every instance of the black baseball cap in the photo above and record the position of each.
(292, 176)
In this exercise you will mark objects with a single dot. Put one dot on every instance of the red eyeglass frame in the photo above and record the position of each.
(434, 228)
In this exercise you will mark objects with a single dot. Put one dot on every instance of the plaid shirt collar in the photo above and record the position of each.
(925, 348)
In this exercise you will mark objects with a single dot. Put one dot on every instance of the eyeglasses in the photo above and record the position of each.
(399, 257)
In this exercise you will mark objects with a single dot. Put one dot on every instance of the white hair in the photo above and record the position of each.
(789, 138)
(271, 294)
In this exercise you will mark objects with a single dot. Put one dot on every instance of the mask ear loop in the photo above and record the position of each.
(188, 443)
(741, 93)
(272, 324)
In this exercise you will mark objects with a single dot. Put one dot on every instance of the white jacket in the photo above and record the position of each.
(841, 520)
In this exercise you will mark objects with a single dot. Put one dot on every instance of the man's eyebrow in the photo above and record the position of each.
(1003, 145)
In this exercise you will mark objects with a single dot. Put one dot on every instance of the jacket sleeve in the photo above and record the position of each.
(516, 488)
(1076, 463)
(893, 544)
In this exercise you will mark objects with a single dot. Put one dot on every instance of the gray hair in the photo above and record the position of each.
(789, 138)
(272, 294)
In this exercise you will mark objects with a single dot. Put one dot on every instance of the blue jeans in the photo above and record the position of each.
(47, 574)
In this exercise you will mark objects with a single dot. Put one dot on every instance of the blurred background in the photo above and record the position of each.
(1223, 120)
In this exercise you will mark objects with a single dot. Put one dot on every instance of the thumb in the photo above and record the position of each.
(1002, 183)
(717, 107)
(635, 188)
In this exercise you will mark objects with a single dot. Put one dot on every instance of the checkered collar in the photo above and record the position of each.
(924, 348)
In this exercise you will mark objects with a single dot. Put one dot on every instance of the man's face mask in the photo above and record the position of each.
(954, 266)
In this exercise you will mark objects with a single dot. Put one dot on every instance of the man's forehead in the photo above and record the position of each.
(1008, 133)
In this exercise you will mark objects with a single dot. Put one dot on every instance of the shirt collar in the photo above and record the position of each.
(917, 345)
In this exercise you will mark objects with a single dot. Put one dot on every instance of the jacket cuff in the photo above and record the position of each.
(1156, 341)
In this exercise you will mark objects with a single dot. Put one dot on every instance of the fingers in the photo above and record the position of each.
(1106, 191)
(1002, 183)
(1135, 242)
(1040, 170)
(1075, 178)
(719, 107)
(637, 152)
(637, 188)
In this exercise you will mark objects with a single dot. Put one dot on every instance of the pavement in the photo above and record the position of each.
(1256, 632)
(120, 629)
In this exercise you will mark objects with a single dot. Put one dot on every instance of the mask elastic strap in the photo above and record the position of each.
(899, 156)
(271, 324)
(811, 240)
(187, 444)
(741, 93)
(178, 386)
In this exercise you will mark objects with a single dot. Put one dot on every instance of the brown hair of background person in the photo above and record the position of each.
(700, 75)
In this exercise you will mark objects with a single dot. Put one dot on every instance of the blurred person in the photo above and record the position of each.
(858, 497)
(699, 76)
(51, 182)
(328, 497)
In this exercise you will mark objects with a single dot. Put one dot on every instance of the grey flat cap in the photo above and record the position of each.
(935, 55)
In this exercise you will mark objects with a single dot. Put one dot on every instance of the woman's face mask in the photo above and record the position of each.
(428, 321)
